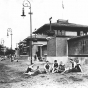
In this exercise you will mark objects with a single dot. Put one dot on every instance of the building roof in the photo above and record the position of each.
(37, 37)
(61, 25)
(78, 37)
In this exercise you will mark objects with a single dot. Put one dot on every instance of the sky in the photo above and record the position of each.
(76, 11)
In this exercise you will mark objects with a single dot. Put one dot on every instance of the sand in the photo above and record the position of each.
(12, 76)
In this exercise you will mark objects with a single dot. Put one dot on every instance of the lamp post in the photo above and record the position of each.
(2, 43)
(28, 4)
(10, 30)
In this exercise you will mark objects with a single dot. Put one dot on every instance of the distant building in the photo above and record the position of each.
(39, 46)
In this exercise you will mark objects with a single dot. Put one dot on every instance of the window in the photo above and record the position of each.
(68, 33)
(63, 32)
(81, 33)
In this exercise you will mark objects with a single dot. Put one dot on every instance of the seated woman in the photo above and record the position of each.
(55, 67)
(47, 67)
(61, 67)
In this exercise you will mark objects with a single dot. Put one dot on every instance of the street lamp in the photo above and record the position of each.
(2, 43)
(10, 30)
(28, 4)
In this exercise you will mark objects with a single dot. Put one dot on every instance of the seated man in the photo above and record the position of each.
(47, 67)
(36, 72)
(55, 67)
(30, 70)
(61, 67)
(76, 67)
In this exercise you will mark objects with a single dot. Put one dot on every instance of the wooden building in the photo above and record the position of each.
(78, 46)
(58, 35)
(58, 40)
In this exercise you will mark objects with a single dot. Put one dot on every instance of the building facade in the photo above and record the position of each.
(58, 40)
(78, 46)
(59, 33)
(39, 46)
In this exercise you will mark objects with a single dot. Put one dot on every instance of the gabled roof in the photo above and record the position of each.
(62, 26)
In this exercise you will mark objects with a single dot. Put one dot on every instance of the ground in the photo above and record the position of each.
(12, 76)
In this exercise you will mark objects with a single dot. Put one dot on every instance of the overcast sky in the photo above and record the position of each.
(76, 11)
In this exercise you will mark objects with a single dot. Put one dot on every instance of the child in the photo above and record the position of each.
(55, 67)
(47, 67)
(61, 67)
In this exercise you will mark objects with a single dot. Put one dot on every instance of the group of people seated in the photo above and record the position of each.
(55, 68)
(76, 67)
